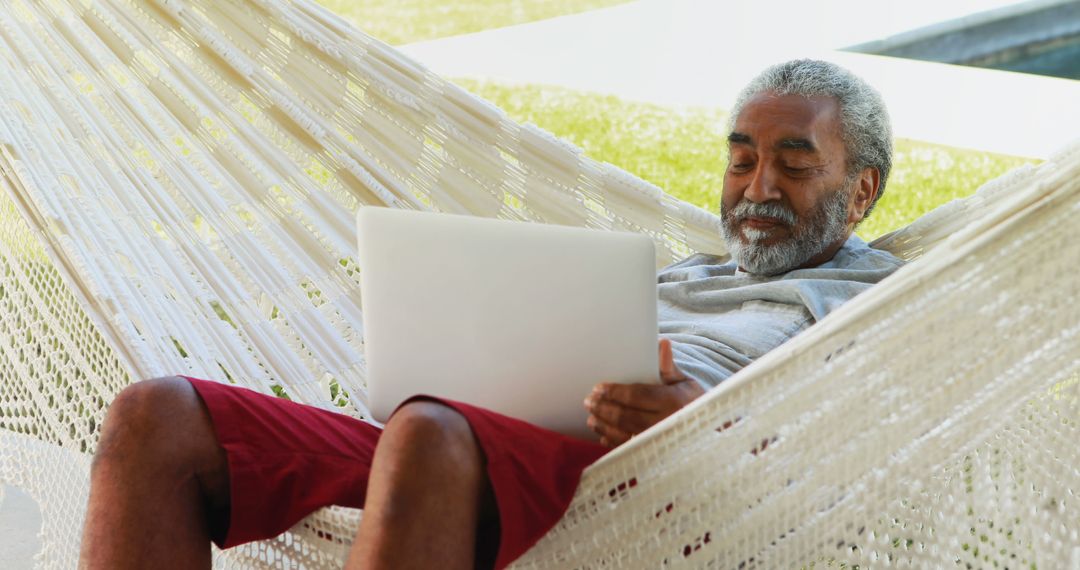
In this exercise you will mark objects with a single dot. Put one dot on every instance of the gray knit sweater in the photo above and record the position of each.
(720, 319)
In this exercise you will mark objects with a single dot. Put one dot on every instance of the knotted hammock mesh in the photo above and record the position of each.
(180, 181)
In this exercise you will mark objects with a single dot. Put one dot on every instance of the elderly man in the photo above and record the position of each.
(182, 461)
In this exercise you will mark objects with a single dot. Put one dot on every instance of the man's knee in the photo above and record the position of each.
(427, 423)
(147, 415)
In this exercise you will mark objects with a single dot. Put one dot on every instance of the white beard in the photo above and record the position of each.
(810, 235)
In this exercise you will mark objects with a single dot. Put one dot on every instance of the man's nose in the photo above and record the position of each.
(763, 186)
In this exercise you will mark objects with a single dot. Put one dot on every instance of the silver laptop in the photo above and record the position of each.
(520, 318)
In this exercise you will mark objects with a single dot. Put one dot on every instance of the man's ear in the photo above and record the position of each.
(866, 190)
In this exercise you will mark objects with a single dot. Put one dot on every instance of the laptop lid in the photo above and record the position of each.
(520, 318)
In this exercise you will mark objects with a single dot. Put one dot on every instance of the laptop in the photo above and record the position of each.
(520, 318)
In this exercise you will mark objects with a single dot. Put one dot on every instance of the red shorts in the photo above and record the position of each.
(287, 460)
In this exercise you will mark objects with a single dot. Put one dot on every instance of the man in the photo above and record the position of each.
(182, 461)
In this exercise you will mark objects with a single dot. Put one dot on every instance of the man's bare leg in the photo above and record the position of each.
(157, 472)
(427, 494)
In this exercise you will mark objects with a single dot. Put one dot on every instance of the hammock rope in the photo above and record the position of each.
(179, 186)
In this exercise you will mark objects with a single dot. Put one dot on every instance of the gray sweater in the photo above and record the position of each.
(720, 319)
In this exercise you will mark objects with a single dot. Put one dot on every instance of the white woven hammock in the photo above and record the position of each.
(180, 182)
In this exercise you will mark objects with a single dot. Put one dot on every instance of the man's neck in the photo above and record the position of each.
(826, 254)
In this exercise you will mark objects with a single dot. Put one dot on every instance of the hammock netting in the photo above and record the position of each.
(179, 185)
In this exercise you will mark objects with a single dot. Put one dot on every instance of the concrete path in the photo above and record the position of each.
(700, 52)
(20, 522)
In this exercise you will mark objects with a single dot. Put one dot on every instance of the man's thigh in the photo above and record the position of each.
(285, 460)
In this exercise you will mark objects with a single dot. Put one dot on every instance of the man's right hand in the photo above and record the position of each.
(618, 412)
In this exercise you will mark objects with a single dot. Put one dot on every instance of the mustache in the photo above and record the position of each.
(775, 210)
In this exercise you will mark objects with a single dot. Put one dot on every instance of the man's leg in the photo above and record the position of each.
(427, 494)
(157, 476)
(160, 473)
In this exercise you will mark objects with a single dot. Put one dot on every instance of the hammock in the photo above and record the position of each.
(179, 184)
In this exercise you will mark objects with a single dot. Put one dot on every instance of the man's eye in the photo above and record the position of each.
(797, 170)
(741, 167)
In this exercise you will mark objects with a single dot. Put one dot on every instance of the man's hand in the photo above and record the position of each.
(620, 411)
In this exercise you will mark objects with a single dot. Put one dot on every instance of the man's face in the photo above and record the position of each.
(788, 201)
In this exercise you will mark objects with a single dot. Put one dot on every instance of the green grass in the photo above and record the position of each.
(683, 152)
(926, 176)
(404, 21)
(680, 150)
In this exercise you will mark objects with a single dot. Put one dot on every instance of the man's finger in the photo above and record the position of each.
(666, 359)
(646, 397)
(609, 435)
(669, 372)
(629, 420)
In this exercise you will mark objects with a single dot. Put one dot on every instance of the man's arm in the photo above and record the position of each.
(618, 412)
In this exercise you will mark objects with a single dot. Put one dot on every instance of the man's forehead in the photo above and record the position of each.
(786, 121)
(792, 142)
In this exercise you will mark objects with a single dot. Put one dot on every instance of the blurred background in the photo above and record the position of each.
(975, 87)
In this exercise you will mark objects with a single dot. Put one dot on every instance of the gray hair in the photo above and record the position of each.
(864, 121)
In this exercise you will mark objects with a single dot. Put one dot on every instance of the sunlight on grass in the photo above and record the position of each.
(403, 21)
(683, 152)
(926, 176)
(679, 150)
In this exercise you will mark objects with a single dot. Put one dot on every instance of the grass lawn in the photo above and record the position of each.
(403, 21)
(683, 150)
(680, 150)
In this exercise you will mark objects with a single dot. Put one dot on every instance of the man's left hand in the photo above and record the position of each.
(618, 412)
